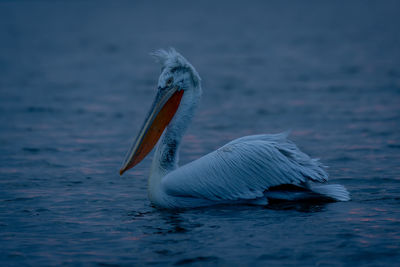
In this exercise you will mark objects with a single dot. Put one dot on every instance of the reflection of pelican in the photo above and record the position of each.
(251, 169)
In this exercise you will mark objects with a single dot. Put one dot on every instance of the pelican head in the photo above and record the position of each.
(178, 93)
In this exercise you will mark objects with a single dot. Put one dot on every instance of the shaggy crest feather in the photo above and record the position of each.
(170, 59)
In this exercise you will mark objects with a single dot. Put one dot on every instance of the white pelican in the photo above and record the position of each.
(251, 169)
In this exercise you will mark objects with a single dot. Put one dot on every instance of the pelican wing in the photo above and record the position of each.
(244, 169)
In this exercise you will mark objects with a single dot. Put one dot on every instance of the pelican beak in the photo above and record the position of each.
(161, 113)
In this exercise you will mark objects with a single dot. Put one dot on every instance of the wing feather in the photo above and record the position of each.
(243, 169)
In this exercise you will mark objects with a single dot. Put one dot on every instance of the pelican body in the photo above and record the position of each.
(249, 170)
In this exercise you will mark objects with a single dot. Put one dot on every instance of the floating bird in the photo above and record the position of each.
(249, 170)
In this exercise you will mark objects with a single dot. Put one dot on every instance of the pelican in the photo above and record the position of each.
(248, 170)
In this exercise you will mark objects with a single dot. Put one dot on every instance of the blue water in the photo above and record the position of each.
(76, 82)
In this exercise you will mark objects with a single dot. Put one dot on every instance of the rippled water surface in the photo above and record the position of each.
(76, 82)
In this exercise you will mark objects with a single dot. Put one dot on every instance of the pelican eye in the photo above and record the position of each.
(169, 81)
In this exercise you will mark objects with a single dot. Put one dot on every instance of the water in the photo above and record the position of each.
(76, 82)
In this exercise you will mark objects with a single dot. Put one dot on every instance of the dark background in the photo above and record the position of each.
(76, 81)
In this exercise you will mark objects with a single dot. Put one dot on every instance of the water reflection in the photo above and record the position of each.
(306, 206)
